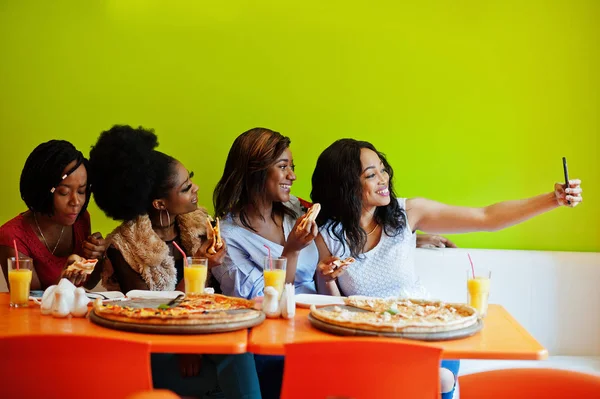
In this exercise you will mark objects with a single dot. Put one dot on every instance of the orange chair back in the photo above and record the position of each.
(529, 383)
(155, 394)
(361, 369)
(60, 366)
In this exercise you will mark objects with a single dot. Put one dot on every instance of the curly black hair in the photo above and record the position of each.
(243, 182)
(337, 187)
(128, 173)
(45, 169)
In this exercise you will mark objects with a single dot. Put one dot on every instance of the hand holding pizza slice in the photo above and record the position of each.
(343, 262)
(85, 266)
(77, 269)
(333, 267)
(311, 216)
(80, 265)
(213, 233)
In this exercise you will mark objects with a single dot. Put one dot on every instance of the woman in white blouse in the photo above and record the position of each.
(363, 218)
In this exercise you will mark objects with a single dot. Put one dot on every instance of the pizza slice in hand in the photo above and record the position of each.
(213, 232)
(342, 262)
(311, 216)
(85, 266)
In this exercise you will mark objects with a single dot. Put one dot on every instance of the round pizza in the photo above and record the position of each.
(191, 310)
(397, 315)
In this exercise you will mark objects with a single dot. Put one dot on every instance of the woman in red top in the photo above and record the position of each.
(54, 185)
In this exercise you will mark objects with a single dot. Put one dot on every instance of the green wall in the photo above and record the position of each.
(473, 101)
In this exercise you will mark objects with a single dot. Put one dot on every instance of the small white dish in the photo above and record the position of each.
(105, 295)
(153, 294)
(306, 300)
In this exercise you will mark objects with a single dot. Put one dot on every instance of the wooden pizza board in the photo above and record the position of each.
(433, 336)
(175, 329)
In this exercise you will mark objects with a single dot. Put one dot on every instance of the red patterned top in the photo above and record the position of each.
(47, 266)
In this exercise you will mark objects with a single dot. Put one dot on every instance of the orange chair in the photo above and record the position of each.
(361, 369)
(155, 394)
(60, 366)
(529, 383)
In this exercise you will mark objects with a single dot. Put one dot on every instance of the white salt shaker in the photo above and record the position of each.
(288, 302)
(80, 305)
(271, 303)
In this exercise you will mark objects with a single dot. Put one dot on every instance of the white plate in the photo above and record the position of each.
(153, 294)
(306, 300)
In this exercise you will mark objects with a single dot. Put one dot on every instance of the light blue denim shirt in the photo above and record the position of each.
(241, 273)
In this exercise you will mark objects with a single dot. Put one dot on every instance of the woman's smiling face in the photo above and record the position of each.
(183, 197)
(374, 178)
(280, 178)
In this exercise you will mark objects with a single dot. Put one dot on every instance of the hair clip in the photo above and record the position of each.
(52, 190)
(64, 177)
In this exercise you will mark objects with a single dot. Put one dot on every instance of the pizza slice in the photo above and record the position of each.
(343, 262)
(86, 266)
(213, 232)
(311, 216)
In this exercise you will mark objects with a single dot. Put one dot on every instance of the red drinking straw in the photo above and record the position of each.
(16, 253)
(182, 253)
(472, 267)
(270, 259)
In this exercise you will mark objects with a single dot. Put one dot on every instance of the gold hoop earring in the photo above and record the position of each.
(168, 218)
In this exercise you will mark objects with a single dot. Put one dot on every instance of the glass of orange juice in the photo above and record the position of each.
(478, 289)
(274, 272)
(194, 274)
(19, 281)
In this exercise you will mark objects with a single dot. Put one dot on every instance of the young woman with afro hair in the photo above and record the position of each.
(154, 196)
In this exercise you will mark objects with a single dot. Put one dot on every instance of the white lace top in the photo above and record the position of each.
(386, 270)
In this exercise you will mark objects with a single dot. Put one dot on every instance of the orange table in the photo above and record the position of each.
(29, 321)
(501, 338)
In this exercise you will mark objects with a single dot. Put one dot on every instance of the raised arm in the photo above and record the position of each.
(298, 239)
(94, 247)
(434, 217)
(326, 274)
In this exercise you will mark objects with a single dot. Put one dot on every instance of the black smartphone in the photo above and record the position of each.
(566, 170)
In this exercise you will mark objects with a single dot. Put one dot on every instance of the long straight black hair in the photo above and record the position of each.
(337, 187)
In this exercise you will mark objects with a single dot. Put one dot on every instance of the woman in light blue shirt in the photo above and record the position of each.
(253, 199)
(241, 273)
